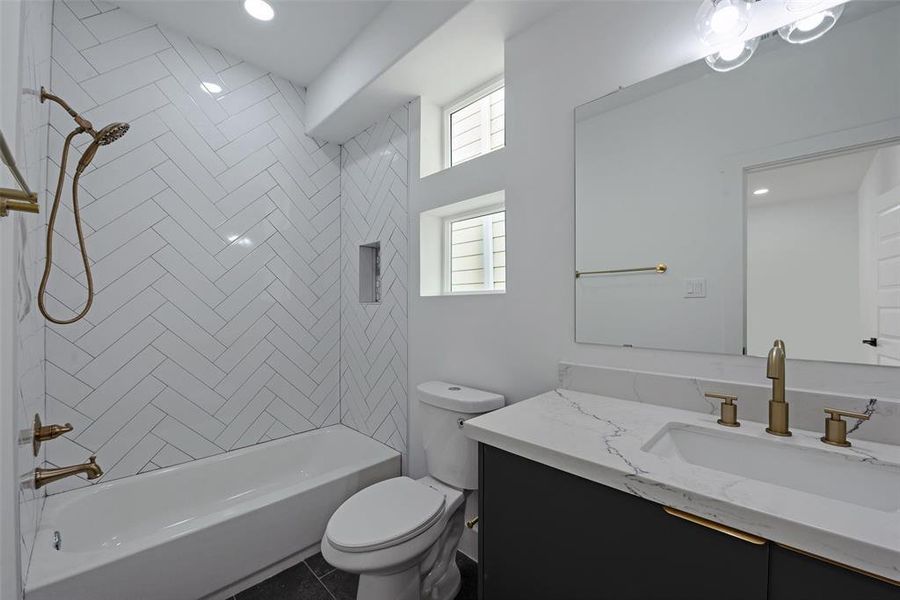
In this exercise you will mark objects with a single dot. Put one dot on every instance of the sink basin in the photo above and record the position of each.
(822, 472)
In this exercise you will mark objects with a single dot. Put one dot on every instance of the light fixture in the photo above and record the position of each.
(732, 56)
(761, 192)
(797, 6)
(212, 88)
(811, 27)
(722, 21)
(259, 9)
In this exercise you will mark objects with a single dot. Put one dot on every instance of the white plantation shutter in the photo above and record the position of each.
(478, 253)
(477, 128)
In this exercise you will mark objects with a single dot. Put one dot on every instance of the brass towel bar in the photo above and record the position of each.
(660, 268)
(22, 199)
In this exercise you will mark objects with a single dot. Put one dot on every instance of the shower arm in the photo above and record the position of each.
(81, 121)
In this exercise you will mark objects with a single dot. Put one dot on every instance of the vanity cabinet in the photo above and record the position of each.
(794, 576)
(545, 534)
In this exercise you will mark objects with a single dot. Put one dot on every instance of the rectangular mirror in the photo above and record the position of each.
(717, 211)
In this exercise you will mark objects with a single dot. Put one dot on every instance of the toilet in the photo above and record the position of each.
(401, 534)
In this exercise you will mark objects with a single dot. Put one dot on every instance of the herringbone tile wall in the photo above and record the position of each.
(214, 231)
(373, 336)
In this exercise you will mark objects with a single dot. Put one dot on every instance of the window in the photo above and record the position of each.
(475, 125)
(476, 250)
(462, 247)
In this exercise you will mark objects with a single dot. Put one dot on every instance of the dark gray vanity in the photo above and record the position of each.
(547, 534)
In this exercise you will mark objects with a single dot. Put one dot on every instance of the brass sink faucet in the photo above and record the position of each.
(44, 476)
(778, 407)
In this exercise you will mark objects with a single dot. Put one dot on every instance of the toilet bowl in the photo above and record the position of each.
(401, 534)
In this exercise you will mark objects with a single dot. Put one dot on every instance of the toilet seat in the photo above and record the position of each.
(384, 515)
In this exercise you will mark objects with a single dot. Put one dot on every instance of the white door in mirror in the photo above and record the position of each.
(881, 316)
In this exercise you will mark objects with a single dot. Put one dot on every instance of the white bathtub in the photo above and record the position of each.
(205, 529)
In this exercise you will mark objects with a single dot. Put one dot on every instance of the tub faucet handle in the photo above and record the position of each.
(45, 433)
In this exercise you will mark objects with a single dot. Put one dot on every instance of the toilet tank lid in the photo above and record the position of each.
(459, 398)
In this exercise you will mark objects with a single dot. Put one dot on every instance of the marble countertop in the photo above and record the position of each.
(601, 439)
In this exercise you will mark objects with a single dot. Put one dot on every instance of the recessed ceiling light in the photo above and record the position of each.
(212, 88)
(761, 192)
(259, 9)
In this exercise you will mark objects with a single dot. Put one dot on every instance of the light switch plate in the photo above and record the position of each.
(695, 287)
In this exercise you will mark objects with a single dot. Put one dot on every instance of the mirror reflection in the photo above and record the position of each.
(770, 193)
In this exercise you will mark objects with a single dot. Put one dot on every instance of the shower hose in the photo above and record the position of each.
(48, 264)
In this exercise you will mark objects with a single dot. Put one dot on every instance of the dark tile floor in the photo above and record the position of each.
(315, 579)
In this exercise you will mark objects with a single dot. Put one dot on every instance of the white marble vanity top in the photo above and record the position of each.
(601, 439)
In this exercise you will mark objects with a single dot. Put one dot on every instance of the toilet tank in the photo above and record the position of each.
(451, 456)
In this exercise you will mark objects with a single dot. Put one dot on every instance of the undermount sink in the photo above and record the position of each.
(821, 472)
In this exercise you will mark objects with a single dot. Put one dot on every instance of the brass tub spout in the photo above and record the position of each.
(44, 476)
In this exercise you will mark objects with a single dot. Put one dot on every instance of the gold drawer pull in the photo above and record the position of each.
(835, 563)
(746, 537)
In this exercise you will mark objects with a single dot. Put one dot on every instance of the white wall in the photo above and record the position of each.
(511, 343)
(803, 278)
(10, 551)
(26, 29)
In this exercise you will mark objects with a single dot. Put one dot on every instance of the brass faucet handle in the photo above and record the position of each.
(728, 416)
(728, 398)
(837, 414)
(45, 433)
(836, 428)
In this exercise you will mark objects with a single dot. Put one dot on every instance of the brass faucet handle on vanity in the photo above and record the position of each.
(836, 428)
(728, 416)
(45, 433)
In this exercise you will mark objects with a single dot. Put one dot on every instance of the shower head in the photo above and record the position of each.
(110, 133)
(104, 137)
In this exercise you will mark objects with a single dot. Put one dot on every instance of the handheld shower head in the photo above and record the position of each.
(111, 133)
(104, 137)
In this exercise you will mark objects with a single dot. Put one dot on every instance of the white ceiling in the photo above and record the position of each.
(304, 36)
(823, 178)
(465, 52)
